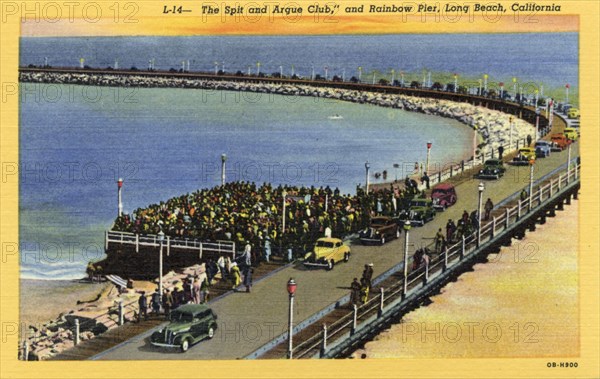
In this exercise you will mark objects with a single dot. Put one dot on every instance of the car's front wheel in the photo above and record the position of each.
(382, 240)
(211, 332)
(330, 265)
(346, 257)
(185, 345)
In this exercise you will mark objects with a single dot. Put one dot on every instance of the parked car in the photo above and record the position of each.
(419, 212)
(524, 155)
(559, 142)
(573, 113)
(542, 149)
(571, 133)
(380, 230)
(492, 169)
(326, 253)
(190, 323)
(443, 196)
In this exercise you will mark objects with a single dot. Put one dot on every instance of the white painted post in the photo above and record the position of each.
(426, 273)
(25, 351)
(200, 254)
(137, 243)
(106, 240)
(324, 342)
(551, 185)
(462, 250)
(168, 246)
(445, 258)
(519, 210)
(354, 317)
(381, 299)
(76, 340)
(507, 218)
(121, 313)
(493, 227)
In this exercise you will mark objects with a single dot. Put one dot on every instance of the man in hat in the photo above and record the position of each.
(143, 306)
(167, 302)
(155, 301)
(489, 206)
(368, 274)
(439, 240)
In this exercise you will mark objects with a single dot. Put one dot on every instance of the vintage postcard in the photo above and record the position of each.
(241, 189)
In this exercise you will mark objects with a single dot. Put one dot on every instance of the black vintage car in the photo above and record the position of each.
(190, 324)
(492, 169)
(381, 229)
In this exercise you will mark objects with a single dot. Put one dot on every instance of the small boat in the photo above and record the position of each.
(335, 117)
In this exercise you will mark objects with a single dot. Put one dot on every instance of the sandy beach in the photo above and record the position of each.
(524, 302)
(43, 300)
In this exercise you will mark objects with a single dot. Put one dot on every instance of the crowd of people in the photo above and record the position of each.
(249, 214)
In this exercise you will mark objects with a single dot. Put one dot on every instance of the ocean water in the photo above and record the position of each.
(166, 142)
(552, 58)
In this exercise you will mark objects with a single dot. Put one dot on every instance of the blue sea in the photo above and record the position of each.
(76, 141)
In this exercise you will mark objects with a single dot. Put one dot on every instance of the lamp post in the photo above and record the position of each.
(81, 63)
(373, 77)
(531, 163)
(293, 71)
(537, 123)
(291, 289)
(567, 92)
(501, 90)
(393, 76)
(401, 78)
(406, 230)
(312, 74)
(480, 85)
(428, 155)
(343, 75)
(359, 73)
(480, 188)
(257, 68)
(367, 167)
(283, 194)
(510, 138)
(161, 238)
(223, 160)
(455, 83)
(326, 72)
(216, 68)
(120, 203)
(474, 144)
(514, 80)
(281, 71)
(485, 81)
(569, 163)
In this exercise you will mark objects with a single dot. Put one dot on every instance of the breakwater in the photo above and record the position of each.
(494, 126)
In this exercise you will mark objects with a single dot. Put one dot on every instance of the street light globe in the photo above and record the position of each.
(291, 287)
(531, 162)
(161, 236)
(481, 187)
(284, 193)
(407, 225)
(429, 145)
(223, 157)
(120, 182)
(367, 165)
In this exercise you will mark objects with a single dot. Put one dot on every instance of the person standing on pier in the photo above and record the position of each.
(235, 276)
(425, 180)
(167, 302)
(248, 279)
(155, 302)
(196, 297)
(368, 274)
(222, 268)
(450, 229)
(364, 290)
(439, 240)
(143, 307)
(248, 255)
(489, 206)
(267, 249)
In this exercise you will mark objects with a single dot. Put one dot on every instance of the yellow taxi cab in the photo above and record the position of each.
(326, 253)
(571, 133)
(573, 113)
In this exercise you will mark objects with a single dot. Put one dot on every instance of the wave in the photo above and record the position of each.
(44, 274)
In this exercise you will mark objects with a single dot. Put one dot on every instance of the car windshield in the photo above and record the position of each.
(181, 317)
(324, 244)
(492, 162)
(419, 203)
(439, 190)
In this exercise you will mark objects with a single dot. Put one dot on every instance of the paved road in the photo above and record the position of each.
(248, 321)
